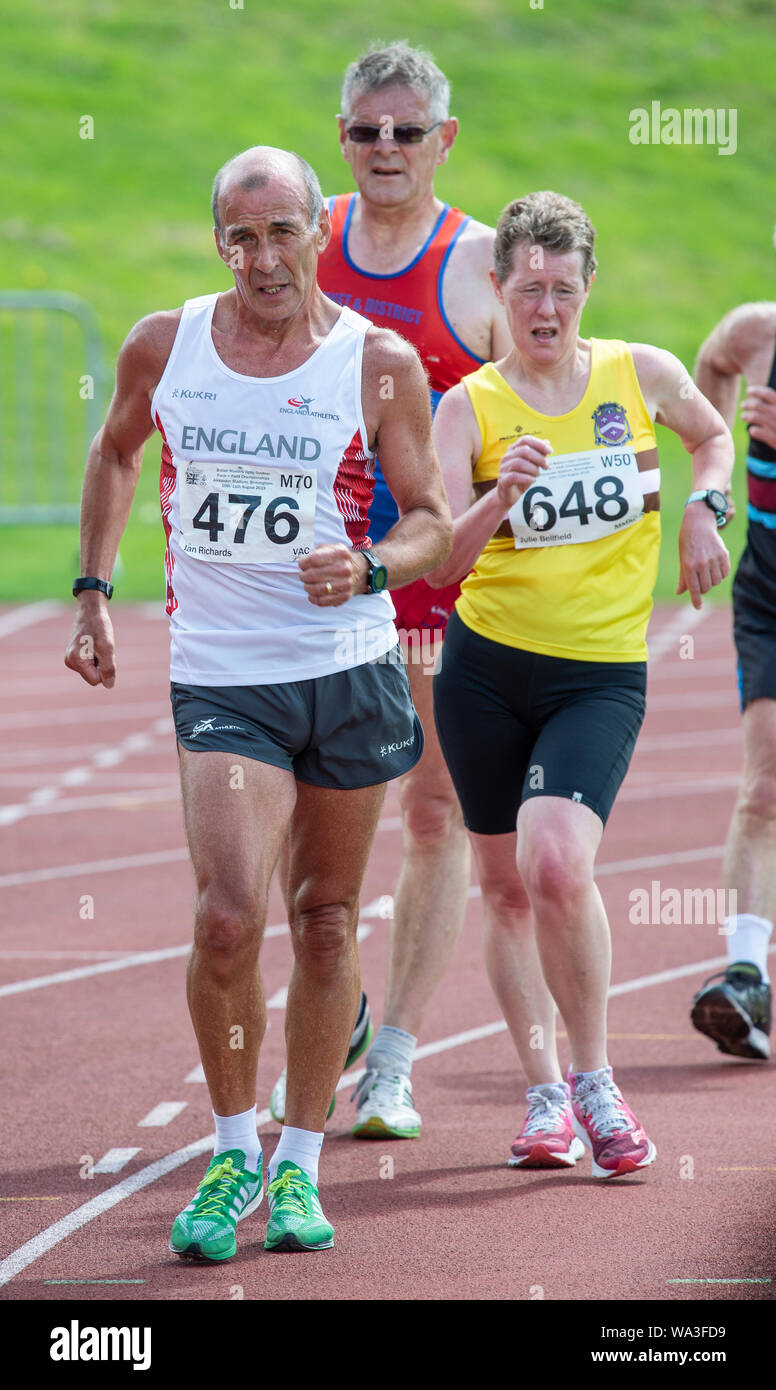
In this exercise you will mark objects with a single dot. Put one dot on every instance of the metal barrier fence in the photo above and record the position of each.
(52, 399)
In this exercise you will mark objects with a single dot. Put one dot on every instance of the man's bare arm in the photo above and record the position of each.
(725, 356)
(673, 402)
(468, 292)
(110, 480)
(397, 416)
(396, 402)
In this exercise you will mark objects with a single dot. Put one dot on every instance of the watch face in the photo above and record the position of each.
(379, 579)
(718, 500)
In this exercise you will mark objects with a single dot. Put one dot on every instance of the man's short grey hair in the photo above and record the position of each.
(258, 179)
(544, 219)
(396, 64)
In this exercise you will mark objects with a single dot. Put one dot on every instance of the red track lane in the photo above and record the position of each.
(94, 1055)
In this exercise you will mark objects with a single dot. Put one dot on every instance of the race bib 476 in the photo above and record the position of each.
(243, 514)
(581, 497)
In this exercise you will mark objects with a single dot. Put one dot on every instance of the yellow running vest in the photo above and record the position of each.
(580, 584)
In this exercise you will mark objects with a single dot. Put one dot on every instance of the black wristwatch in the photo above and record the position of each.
(377, 574)
(716, 501)
(85, 582)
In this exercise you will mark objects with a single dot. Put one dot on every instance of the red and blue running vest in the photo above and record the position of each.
(408, 301)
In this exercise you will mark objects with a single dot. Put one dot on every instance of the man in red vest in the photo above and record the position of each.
(408, 261)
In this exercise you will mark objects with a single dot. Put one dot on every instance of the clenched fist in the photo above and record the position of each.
(332, 574)
(520, 467)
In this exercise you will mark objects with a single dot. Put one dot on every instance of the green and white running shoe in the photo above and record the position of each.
(205, 1229)
(359, 1042)
(385, 1109)
(296, 1221)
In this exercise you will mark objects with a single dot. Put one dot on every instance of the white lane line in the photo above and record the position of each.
(130, 799)
(33, 1249)
(281, 929)
(724, 699)
(378, 907)
(660, 861)
(390, 823)
(707, 665)
(114, 1160)
(689, 788)
(64, 977)
(198, 1074)
(700, 738)
(118, 783)
(115, 801)
(678, 625)
(20, 618)
(40, 801)
(104, 968)
(94, 866)
(95, 714)
(162, 1114)
(54, 753)
(65, 955)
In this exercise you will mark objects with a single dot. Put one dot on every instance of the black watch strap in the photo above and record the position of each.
(86, 582)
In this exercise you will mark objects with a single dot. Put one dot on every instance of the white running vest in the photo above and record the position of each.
(256, 471)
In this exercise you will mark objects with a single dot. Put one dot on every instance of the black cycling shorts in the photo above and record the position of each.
(354, 728)
(754, 615)
(515, 724)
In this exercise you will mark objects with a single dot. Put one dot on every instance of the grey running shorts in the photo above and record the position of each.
(354, 728)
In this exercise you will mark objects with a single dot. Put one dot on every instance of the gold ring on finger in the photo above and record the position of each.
(328, 587)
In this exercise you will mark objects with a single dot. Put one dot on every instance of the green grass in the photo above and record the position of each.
(544, 98)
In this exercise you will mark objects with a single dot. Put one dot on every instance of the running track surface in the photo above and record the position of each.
(95, 1020)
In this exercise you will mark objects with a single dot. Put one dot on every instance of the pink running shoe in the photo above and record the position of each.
(547, 1137)
(608, 1126)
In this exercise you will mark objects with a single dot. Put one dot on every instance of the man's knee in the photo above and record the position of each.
(323, 933)
(226, 928)
(431, 811)
(757, 796)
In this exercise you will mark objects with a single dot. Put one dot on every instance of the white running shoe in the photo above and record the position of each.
(359, 1042)
(385, 1109)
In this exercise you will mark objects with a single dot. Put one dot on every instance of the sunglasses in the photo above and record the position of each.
(402, 134)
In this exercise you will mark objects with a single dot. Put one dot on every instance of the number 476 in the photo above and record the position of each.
(206, 519)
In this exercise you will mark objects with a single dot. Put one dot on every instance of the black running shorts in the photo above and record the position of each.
(354, 728)
(515, 724)
(754, 615)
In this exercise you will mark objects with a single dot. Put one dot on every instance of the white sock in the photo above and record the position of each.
(239, 1132)
(549, 1088)
(302, 1147)
(583, 1075)
(748, 940)
(392, 1051)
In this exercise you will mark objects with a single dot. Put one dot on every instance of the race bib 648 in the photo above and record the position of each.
(580, 497)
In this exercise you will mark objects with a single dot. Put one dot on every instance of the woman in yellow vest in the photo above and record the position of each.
(541, 691)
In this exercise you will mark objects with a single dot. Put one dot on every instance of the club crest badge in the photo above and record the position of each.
(610, 423)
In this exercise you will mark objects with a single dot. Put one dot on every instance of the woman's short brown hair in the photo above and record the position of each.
(544, 219)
